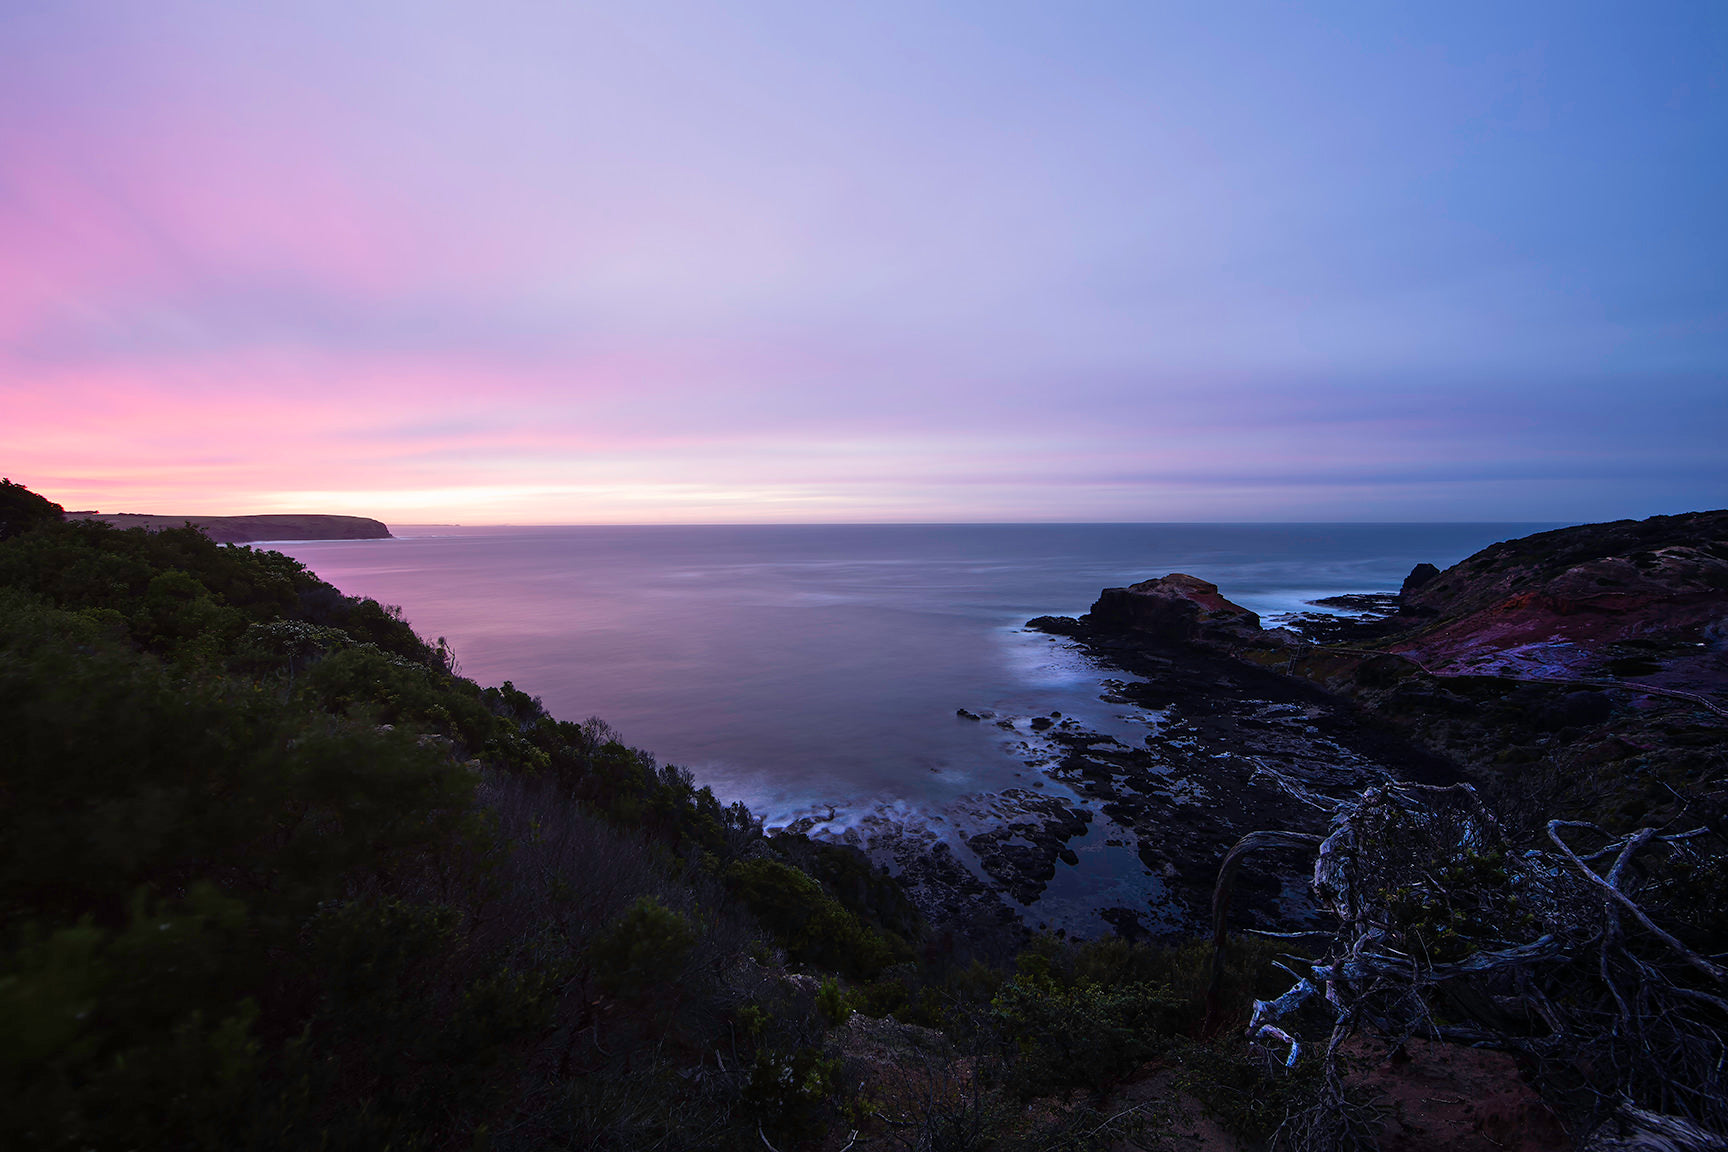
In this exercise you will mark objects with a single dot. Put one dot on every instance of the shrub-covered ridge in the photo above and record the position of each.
(274, 876)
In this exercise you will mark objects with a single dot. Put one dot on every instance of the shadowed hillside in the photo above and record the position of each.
(274, 876)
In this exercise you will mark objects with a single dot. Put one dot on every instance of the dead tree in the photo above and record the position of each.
(1557, 954)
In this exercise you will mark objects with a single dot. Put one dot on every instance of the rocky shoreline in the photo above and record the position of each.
(1124, 835)
(1230, 727)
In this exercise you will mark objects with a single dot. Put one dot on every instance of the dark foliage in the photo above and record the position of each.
(254, 893)
(22, 510)
(273, 876)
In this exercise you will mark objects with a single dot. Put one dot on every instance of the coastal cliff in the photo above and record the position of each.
(1554, 670)
(249, 529)
(1582, 671)
(1555, 889)
(1646, 600)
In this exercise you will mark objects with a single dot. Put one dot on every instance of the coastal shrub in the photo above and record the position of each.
(1460, 902)
(176, 584)
(139, 1035)
(367, 682)
(85, 562)
(1691, 887)
(272, 876)
(1082, 1035)
(285, 645)
(833, 1002)
(165, 844)
(912, 999)
(810, 924)
(794, 1094)
(1246, 1093)
(647, 949)
(1180, 972)
(377, 953)
(863, 888)
(413, 1012)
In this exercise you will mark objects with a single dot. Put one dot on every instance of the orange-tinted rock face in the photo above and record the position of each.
(1594, 564)
(1177, 608)
(1558, 603)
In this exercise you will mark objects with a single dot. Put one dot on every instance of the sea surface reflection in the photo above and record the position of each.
(792, 666)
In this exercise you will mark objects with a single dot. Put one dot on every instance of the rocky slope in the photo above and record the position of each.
(1646, 600)
(1578, 675)
(1581, 671)
(1572, 673)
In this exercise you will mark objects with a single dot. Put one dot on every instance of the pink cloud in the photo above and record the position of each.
(577, 263)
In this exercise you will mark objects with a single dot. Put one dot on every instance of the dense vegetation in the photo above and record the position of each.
(273, 875)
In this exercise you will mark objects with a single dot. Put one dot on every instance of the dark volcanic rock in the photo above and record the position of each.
(1175, 609)
(1629, 598)
(1056, 625)
(1021, 855)
(1234, 746)
(1420, 575)
(1602, 567)
(1371, 616)
(1239, 748)
(1510, 670)
(1573, 672)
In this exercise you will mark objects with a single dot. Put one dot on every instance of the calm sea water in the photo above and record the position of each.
(794, 667)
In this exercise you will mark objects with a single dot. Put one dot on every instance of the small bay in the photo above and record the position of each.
(798, 667)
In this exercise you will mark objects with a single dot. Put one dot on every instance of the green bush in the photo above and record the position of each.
(252, 897)
(833, 1002)
(793, 1094)
(1083, 1035)
(645, 951)
(810, 924)
(1248, 1094)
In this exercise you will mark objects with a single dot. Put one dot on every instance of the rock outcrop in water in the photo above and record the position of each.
(1583, 670)
(1640, 602)
(1177, 608)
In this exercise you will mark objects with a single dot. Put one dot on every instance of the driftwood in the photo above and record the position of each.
(1558, 956)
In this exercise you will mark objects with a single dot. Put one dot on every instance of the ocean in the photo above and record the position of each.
(818, 670)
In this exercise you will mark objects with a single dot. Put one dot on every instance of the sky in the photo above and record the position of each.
(537, 262)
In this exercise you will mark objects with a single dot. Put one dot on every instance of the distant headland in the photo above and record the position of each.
(246, 529)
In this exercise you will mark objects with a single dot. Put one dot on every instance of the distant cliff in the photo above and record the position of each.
(246, 529)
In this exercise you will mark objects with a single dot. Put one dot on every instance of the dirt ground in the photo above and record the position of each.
(1432, 1097)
